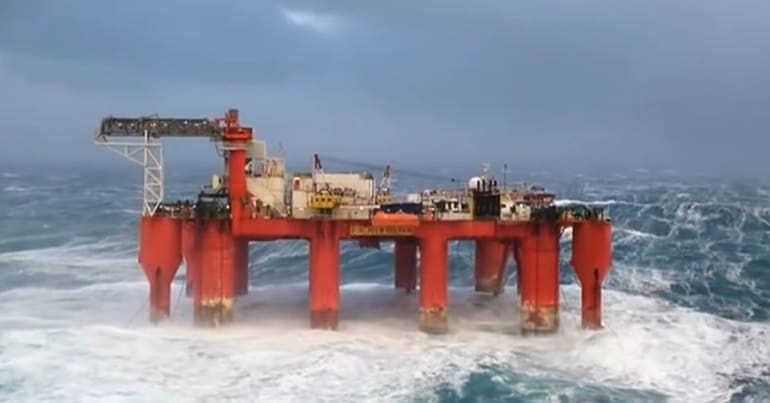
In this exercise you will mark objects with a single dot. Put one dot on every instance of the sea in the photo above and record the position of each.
(686, 305)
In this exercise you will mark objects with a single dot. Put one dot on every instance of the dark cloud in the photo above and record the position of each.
(189, 40)
(639, 83)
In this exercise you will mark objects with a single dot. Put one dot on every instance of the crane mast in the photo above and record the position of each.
(138, 140)
(383, 190)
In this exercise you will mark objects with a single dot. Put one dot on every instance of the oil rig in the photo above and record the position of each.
(254, 198)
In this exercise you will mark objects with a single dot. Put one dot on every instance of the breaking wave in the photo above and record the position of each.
(687, 311)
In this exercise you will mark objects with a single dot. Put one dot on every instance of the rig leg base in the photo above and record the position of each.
(327, 319)
(434, 322)
(158, 315)
(214, 315)
(539, 319)
(538, 332)
(488, 285)
(592, 326)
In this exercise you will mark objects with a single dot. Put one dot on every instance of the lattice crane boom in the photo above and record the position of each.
(157, 127)
(138, 139)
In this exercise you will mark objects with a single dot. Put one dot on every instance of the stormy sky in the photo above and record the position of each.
(620, 84)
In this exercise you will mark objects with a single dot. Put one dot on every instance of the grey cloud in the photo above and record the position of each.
(637, 83)
(191, 40)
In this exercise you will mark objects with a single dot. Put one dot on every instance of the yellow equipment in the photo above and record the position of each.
(324, 200)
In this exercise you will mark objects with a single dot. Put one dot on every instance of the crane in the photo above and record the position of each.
(318, 172)
(322, 199)
(138, 139)
(383, 190)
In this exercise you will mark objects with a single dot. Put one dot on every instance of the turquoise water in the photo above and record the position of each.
(687, 307)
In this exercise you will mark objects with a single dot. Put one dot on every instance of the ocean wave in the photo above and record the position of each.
(687, 305)
(648, 346)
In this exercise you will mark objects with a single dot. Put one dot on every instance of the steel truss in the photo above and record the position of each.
(146, 151)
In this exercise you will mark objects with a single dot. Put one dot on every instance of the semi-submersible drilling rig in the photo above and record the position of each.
(256, 199)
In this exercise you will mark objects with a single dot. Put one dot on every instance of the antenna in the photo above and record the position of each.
(505, 177)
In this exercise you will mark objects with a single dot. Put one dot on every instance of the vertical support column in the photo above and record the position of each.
(434, 284)
(325, 276)
(160, 254)
(515, 247)
(241, 267)
(591, 259)
(405, 257)
(539, 257)
(236, 138)
(190, 255)
(215, 275)
(491, 256)
(237, 181)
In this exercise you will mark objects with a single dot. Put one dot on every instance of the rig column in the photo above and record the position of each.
(241, 267)
(405, 256)
(491, 257)
(191, 258)
(160, 254)
(215, 276)
(539, 257)
(434, 284)
(324, 276)
(236, 138)
(515, 246)
(591, 259)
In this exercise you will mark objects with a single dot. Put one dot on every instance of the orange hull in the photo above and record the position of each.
(160, 254)
(215, 251)
(216, 255)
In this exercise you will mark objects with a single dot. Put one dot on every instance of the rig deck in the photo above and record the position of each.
(255, 199)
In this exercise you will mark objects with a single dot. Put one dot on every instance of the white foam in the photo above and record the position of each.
(107, 260)
(93, 343)
(83, 352)
(632, 234)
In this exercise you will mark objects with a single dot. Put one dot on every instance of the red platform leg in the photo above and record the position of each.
(215, 274)
(160, 254)
(517, 259)
(190, 255)
(591, 259)
(434, 283)
(241, 267)
(324, 276)
(491, 256)
(405, 256)
(539, 257)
